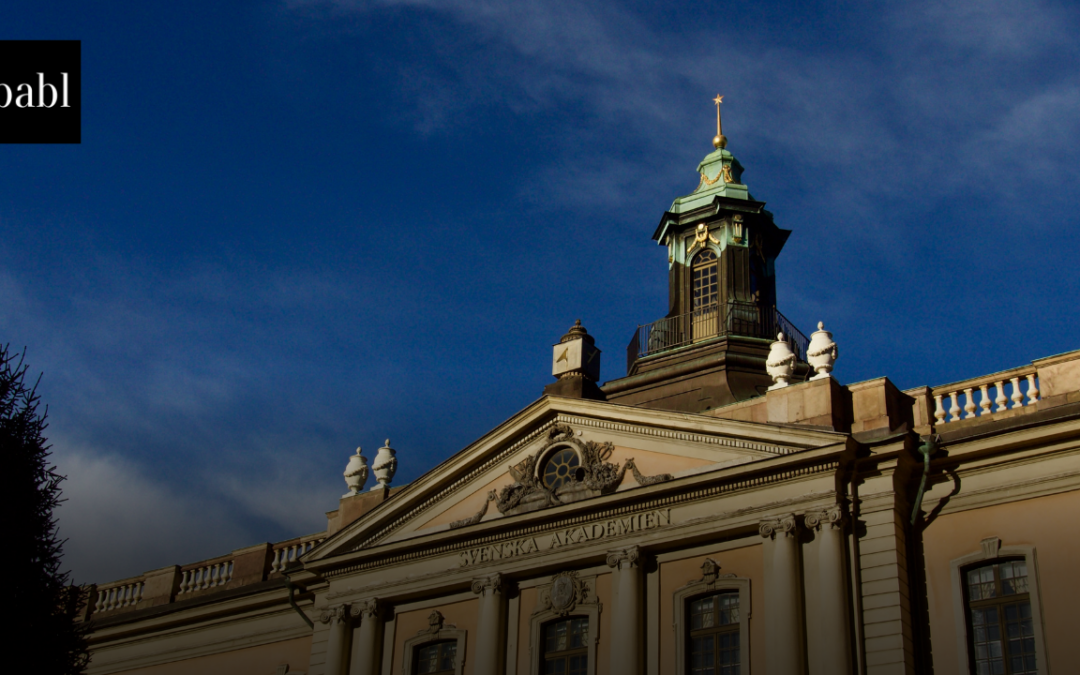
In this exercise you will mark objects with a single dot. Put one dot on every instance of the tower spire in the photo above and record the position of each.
(720, 140)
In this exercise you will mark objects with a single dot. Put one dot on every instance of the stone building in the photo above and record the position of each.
(726, 507)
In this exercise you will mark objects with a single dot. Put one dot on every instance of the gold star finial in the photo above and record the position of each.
(720, 141)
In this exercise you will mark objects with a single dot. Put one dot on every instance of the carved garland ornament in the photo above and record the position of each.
(472, 520)
(702, 236)
(595, 476)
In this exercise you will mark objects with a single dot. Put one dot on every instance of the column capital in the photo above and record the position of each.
(365, 609)
(493, 583)
(334, 613)
(624, 558)
(785, 524)
(832, 517)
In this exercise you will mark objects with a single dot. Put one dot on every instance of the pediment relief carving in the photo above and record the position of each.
(588, 474)
(434, 502)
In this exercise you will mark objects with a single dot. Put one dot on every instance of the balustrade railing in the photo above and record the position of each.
(731, 318)
(200, 577)
(286, 552)
(957, 401)
(119, 594)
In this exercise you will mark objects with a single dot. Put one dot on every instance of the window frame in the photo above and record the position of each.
(545, 460)
(681, 599)
(544, 613)
(991, 550)
(420, 647)
(566, 652)
(446, 634)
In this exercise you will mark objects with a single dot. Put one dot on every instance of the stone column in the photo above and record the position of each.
(626, 615)
(783, 608)
(337, 644)
(832, 642)
(490, 624)
(366, 641)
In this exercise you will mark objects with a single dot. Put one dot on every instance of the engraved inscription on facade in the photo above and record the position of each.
(578, 534)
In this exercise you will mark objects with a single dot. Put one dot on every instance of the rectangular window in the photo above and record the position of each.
(566, 649)
(436, 657)
(714, 634)
(1001, 636)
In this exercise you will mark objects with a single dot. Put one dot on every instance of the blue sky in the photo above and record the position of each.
(294, 228)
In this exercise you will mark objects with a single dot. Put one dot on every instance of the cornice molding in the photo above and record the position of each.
(694, 494)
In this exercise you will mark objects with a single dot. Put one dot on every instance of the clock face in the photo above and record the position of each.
(576, 355)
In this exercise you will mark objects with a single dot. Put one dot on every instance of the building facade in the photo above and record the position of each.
(727, 507)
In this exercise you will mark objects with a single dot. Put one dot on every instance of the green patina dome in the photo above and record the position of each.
(714, 182)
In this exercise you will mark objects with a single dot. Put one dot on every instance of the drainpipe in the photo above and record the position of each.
(928, 448)
(292, 602)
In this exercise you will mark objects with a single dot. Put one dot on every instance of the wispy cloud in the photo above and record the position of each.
(119, 521)
(875, 120)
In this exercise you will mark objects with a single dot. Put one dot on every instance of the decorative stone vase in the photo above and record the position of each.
(781, 362)
(356, 474)
(385, 466)
(822, 352)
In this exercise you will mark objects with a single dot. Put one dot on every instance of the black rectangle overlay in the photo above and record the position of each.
(40, 91)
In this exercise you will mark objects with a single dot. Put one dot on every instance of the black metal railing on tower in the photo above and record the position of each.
(747, 319)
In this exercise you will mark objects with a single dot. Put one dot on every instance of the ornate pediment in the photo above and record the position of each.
(550, 477)
(603, 450)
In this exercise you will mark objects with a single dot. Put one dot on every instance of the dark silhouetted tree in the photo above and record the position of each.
(42, 632)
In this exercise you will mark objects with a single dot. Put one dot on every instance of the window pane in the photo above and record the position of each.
(436, 658)
(987, 645)
(579, 665)
(559, 468)
(981, 583)
(555, 666)
(702, 656)
(566, 646)
(729, 609)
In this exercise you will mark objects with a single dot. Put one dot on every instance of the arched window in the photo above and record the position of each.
(560, 468)
(565, 646)
(435, 657)
(713, 639)
(1000, 627)
(704, 295)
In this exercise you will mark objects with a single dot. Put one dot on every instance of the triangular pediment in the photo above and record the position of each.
(617, 449)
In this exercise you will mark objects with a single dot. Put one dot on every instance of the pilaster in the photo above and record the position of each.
(783, 605)
(828, 636)
(627, 620)
(888, 642)
(366, 640)
(337, 647)
(490, 624)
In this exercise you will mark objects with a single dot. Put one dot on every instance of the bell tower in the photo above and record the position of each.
(711, 347)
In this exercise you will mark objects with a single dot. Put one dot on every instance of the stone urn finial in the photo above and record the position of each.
(822, 352)
(781, 362)
(384, 466)
(356, 474)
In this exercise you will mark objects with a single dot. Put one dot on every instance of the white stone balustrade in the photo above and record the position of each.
(286, 553)
(205, 576)
(1010, 385)
(122, 594)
